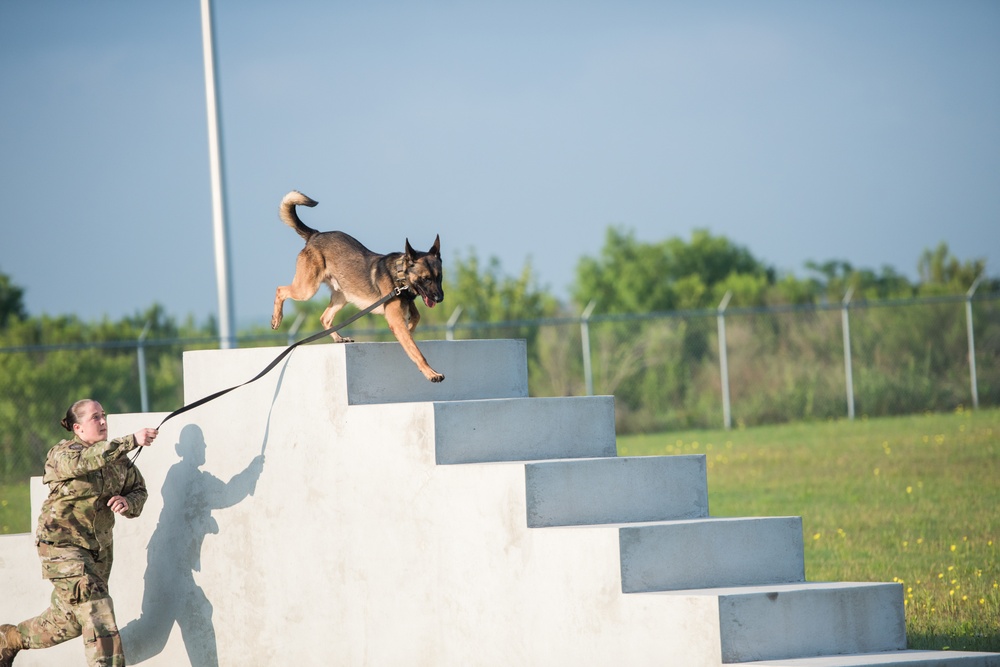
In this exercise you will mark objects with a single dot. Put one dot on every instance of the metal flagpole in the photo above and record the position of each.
(222, 272)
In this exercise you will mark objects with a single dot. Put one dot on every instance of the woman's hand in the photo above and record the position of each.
(144, 436)
(118, 504)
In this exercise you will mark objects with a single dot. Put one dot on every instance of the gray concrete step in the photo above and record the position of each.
(804, 620)
(615, 490)
(367, 373)
(712, 552)
(892, 659)
(524, 429)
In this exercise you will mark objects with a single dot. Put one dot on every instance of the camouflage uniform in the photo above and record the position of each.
(74, 539)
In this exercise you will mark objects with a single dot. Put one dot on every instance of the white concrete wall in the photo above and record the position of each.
(354, 547)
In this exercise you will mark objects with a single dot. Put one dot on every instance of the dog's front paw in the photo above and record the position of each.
(275, 321)
(437, 377)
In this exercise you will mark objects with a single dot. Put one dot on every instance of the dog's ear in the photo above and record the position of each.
(436, 248)
(410, 252)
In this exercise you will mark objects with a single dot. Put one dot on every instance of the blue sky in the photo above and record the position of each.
(864, 131)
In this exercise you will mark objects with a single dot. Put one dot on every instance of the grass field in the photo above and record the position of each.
(909, 499)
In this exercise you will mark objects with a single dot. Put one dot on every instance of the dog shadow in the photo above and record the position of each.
(171, 595)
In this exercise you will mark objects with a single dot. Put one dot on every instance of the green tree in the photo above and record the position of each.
(942, 273)
(11, 301)
(56, 365)
(833, 278)
(46, 363)
(654, 367)
(630, 276)
(790, 289)
(486, 294)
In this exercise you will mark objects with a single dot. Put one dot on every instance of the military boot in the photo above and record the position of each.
(10, 644)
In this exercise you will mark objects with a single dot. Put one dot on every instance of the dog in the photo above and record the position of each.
(359, 276)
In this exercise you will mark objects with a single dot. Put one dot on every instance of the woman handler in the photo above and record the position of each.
(90, 480)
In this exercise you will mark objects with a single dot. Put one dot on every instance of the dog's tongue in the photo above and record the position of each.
(430, 304)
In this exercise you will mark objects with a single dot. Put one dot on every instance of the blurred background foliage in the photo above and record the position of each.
(652, 326)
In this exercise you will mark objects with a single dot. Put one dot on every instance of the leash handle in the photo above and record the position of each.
(397, 291)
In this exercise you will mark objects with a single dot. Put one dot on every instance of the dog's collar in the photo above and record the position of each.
(401, 282)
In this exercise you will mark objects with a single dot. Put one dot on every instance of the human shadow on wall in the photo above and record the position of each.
(170, 594)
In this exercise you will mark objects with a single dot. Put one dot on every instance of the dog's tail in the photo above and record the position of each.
(291, 218)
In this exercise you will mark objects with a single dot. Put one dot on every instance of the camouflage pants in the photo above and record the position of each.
(80, 605)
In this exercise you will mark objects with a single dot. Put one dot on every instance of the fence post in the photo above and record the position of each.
(846, 325)
(588, 377)
(727, 417)
(295, 327)
(972, 341)
(141, 358)
(449, 333)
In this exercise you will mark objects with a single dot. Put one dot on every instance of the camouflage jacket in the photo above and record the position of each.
(81, 480)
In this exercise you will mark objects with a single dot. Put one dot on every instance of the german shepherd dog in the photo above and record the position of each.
(359, 276)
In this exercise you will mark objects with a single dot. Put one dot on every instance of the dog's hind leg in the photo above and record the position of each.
(337, 301)
(305, 284)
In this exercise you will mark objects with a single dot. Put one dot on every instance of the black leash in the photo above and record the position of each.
(397, 291)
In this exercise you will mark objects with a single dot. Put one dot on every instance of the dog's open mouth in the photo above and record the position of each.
(428, 297)
(429, 301)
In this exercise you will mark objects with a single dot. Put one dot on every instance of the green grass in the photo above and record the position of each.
(913, 499)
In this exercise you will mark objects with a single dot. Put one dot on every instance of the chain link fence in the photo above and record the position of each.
(680, 370)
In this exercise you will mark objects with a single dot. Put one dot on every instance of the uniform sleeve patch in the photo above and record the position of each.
(76, 447)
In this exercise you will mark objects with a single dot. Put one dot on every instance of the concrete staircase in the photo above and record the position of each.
(400, 522)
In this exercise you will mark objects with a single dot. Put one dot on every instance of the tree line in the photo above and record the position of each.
(660, 376)
(627, 276)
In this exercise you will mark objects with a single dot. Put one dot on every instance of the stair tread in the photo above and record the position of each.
(763, 589)
(908, 658)
(615, 489)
